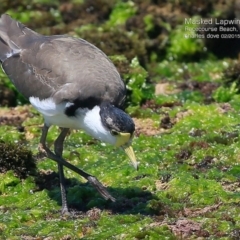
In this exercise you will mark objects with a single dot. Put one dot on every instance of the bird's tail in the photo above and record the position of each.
(13, 37)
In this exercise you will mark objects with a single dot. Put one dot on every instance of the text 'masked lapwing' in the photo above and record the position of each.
(73, 85)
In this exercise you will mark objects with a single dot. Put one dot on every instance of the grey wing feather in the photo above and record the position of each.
(64, 68)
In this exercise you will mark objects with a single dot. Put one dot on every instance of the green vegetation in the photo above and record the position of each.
(185, 102)
(121, 13)
(181, 45)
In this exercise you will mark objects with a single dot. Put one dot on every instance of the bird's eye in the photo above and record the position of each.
(113, 132)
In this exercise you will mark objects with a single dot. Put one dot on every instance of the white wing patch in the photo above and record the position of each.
(54, 114)
(47, 106)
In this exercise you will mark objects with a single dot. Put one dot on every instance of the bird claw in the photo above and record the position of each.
(101, 189)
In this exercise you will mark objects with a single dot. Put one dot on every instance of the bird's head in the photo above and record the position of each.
(111, 125)
(121, 128)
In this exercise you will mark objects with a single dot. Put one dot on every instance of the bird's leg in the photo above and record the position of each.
(42, 145)
(92, 180)
(58, 149)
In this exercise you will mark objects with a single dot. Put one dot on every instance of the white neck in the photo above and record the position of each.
(91, 123)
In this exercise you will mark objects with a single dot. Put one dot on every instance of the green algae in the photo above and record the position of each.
(225, 94)
(185, 170)
(182, 45)
(27, 211)
(140, 90)
(121, 13)
(202, 71)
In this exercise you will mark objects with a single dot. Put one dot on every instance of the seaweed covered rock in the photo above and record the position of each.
(16, 158)
(7, 96)
(91, 11)
(115, 42)
(232, 75)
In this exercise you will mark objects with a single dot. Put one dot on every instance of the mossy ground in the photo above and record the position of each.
(187, 184)
(187, 133)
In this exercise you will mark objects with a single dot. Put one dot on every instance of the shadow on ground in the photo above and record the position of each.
(83, 196)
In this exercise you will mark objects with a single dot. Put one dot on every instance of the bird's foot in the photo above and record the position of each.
(101, 189)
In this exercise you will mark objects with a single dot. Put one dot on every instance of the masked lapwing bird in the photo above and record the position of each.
(73, 85)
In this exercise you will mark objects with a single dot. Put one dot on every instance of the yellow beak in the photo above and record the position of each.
(129, 151)
(122, 140)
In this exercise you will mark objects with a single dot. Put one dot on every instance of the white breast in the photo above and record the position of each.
(88, 120)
